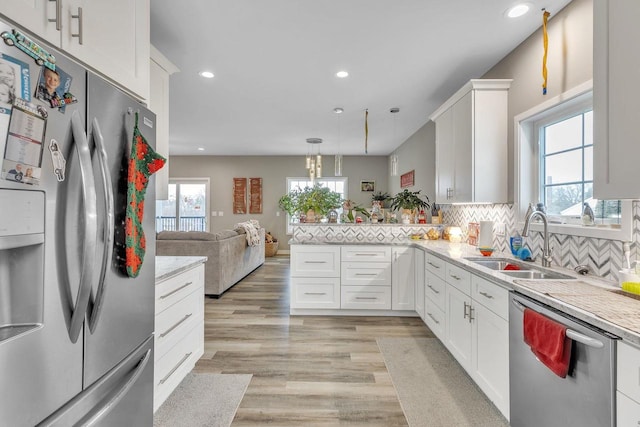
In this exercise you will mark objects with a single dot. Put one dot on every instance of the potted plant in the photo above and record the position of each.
(410, 202)
(378, 198)
(312, 201)
(349, 207)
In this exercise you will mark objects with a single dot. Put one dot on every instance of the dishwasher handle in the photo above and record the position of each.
(570, 333)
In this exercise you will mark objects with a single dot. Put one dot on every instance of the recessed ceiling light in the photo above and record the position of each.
(338, 110)
(518, 10)
(206, 74)
(342, 74)
(200, 148)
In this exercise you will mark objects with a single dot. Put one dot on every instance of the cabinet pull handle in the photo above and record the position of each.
(366, 274)
(175, 368)
(178, 323)
(486, 295)
(471, 310)
(315, 293)
(364, 254)
(434, 319)
(58, 14)
(465, 309)
(175, 290)
(315, 262)
(433, 265)
(433, 289)
(80, 33)
(367, 298)
(454, 276)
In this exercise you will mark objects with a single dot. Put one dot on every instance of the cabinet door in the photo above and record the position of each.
(490, 356)
(444, 157)
(463, 149)
(315, 261)
(628, 411)
(615, 98)
(402, 279)
(458, 326)
(115, 39)
(34, 15)
(419, 282)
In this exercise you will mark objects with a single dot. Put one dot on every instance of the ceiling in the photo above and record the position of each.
(275, 63)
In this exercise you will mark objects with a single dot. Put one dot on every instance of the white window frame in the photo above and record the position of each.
(343, 179)
(207, 183)
(527, 172)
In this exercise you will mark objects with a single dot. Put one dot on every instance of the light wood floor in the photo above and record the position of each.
(307, 370)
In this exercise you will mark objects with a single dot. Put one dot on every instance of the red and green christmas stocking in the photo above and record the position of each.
(143, 162)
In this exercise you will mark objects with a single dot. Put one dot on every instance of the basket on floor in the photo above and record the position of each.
(270, 249)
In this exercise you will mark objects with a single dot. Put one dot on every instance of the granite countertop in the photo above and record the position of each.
(167, 266)
(588, 298)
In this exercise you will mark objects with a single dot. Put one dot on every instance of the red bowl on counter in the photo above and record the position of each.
(486, 251)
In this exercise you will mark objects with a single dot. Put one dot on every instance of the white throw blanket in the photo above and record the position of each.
(251, 227)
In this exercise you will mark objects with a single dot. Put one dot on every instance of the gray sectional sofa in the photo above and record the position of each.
(230, 258)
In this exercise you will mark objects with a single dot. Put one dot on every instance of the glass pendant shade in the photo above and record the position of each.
(338, 165)
(308, 161)
(394, 165)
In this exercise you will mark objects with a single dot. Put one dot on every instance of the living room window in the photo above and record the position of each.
(337, 184)
(554, 166)
(187, 206)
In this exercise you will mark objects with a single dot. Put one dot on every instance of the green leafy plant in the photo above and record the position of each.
(318, 199)
(380, 196)
(349, 207)
(409, 200)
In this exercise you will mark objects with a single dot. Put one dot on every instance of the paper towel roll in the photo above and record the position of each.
(486, 234)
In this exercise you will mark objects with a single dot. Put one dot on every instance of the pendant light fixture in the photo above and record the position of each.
(394, 157)
(314, 162)
(337, 167)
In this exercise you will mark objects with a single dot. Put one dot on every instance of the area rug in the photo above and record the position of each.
(433, 388)
(201, 399)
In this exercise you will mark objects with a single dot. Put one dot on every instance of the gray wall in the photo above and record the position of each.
(273, 170)
(418, 153)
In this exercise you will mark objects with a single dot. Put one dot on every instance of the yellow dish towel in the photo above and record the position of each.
(632, 287)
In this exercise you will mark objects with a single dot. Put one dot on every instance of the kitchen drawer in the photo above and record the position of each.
(434, 318)
(315, 261)
(366, 297)
(315, 292)
(628, 411)
(175, 288)
(458, 277)
(173, 323)
(628, 371)
(492, 296)
(435, 290)
(366, 253)
(435, 265)
(170, 369)
(366, 273)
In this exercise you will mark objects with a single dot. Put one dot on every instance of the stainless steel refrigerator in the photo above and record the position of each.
(76, 333)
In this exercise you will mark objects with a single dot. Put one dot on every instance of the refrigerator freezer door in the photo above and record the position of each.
(42, 368)
(115, 399)
(127, 312)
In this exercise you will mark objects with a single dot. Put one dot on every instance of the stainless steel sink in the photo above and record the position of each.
(498, 263)
(537, 275)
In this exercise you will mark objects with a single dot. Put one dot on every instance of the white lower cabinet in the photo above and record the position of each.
(402, 278)
(628, 385)
(366, 297)
(315, 277)
(315, 292)
(477, 332)
(179, 330)
(434, 296)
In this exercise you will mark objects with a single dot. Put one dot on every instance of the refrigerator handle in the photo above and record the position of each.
(100, 411)
(109, 228)
(90, 226)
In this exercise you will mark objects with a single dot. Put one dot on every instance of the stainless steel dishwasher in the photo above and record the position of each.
(586, 397)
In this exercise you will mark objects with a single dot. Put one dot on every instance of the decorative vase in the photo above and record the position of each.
(311, 216)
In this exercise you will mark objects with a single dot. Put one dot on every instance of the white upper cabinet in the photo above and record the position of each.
(471, 144)
(616, 111)
(111, 37)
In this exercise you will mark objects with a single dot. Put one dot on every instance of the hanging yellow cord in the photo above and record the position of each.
(366, 130)
(545, 42)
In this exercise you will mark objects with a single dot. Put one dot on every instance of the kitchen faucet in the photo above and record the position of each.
(546, 251)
